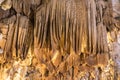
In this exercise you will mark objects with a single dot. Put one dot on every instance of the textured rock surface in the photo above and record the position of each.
(59, 40)
(116, 5)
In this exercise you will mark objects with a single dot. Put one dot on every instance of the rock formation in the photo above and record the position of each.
(59, 40)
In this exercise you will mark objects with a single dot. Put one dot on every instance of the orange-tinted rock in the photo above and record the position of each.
(102, 59)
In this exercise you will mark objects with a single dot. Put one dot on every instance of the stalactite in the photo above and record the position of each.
(67, 37)
(18, 40)
(67, 30)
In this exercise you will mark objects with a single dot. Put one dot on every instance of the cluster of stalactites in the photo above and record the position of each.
(59, 25)
(19, 37)
(80, 25)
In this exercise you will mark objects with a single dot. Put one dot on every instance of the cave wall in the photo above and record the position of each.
(59, 40)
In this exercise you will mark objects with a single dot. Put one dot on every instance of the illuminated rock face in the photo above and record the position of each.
(59, 40)
(5, 4)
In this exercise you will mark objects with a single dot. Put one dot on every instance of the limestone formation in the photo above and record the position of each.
(59, 40)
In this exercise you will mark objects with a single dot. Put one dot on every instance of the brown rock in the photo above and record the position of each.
(91, 60)
(102, 59)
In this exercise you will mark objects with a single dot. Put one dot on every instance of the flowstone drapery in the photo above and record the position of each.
(62, 39)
